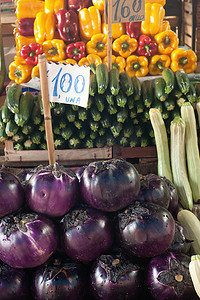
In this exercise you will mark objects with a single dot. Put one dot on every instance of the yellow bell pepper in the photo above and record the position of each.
(158, 63)
(44, 26)
(28, 8)
(35, 71)
(69, 61)
(167, 41)
(91, 60)
(162, 2)
(137, 66)
(118, 62)
(166, 26)
(118, 29)
(154, 15)
(97, 45)
(54, 5)
(54, 50)
(183, 59)
(89, 22)
(21, 40)
(125, 45)
(99, 4)
(20, 73)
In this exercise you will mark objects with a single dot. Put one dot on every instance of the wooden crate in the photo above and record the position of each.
(7, 21)
(191, 25)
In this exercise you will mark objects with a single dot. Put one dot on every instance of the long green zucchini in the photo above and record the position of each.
(192, 149)
(178, 162)
(160, 133)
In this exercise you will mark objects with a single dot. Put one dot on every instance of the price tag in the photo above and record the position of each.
(68, 84)
(126, 11)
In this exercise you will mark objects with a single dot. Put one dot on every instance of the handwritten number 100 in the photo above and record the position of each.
(66, 83)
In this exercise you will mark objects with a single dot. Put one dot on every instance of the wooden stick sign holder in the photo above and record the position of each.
(46, 108)
(109, 43)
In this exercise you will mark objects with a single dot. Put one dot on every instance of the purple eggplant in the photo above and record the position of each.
(110, 185)
(86, 233)
(27, 240)
(145, 229)
(52, 190)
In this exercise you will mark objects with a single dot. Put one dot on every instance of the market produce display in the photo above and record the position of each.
(138, 249)
(74, 32)
(117, 112)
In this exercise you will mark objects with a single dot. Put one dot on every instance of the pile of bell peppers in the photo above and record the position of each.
(75, 32)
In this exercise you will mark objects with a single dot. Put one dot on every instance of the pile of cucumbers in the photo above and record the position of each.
(117, 112)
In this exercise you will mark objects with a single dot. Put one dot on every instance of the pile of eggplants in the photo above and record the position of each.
(102, 231)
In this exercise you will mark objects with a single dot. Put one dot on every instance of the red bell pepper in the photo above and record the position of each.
(76, 50)
(77, 5)
(133, 29)
(67, 25)
(30, 53)
(26, 26)
(146, 47)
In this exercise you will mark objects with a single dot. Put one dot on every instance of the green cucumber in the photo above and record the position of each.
(169, 104)
(66, 133)
(13, 97)
(59, 109)
(114, 81)
(36, 113)
(93, 85)
(147, 93)
(102, 77)
(26, 105)
(36, 137)
(183, 81)
(99, 102)
(122, 115)
(137, 88)
(6, 114)
(169, 78)
(126, 84)
(192, 95)
(11, 128)
(121, 99)
(160, 89)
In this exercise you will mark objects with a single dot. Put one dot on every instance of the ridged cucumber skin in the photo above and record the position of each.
(102, 76)
(183, 81)
(126, 83)
(93, 85)
(147, 92)
(169, 78)
(114, 81)
(26, 105)
(160, 85)
(137, 88)
(13, 97)
(6, 114)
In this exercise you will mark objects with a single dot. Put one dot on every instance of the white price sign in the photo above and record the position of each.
(126, 11)
(68, 84)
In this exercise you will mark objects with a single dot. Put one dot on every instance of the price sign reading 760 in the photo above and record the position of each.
(126, 10)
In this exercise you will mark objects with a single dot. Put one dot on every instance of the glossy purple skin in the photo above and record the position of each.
(79, 172)
(51, 193)
(161, 291)
(126, 288)
(30, 248)
(150, 232)
(182, 240)
(70, 282)
(155, 190)
(14, 283)
(11, 193)
(87, 241)
(110, 185)
(174, 199)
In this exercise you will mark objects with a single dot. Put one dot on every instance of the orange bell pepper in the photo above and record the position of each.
(167, 41)
(21, 40)
(125, 45)
(44, 26)
(35, 71)
(99, 4)
(69, 61)
(118, 62)
(118, 29)
(162, 2)
(28, 8)
(97, 45)
(89, 22)
(91, 60)
(137, 66)
(20, 73)
(154, 15)
(183, 59)
(54, 50)
(158, 63)
(54, 5)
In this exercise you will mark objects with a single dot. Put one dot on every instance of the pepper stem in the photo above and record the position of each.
(76, 51)
(183, 61)
(115, 66)
(53, 51)
(18, 73)
(125, 46)
(100, 45)
(147, 48)
(159, 65)
(167, 41)
(136, 66)
(32, 53)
